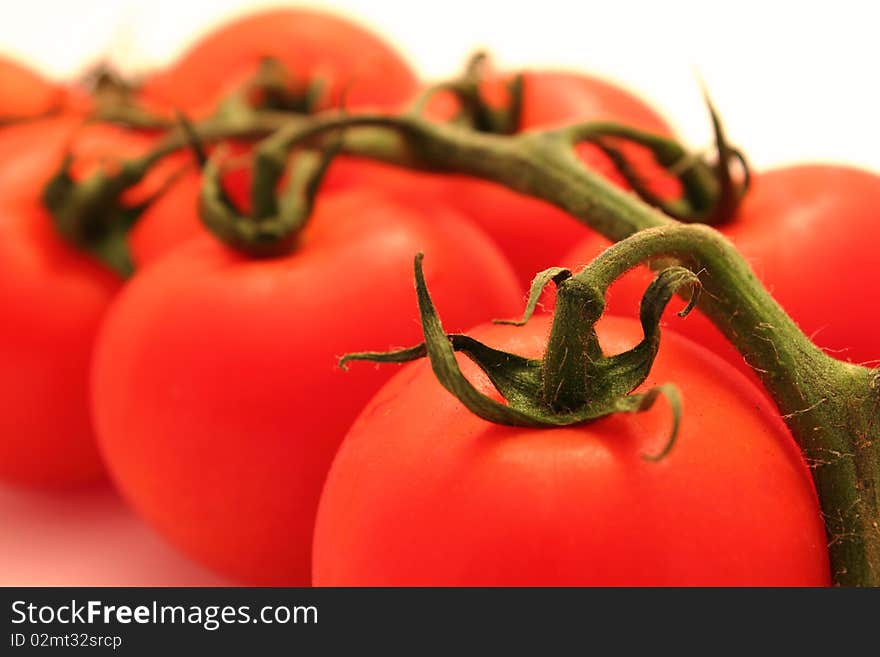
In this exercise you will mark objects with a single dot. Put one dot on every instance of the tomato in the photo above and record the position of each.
(53, 300)
(534, 234)
(423, 492)
(32, 153)
(216, 395)
(24, 93)
(54, 297)
(171, 220)
(310, 44)
(806, 231)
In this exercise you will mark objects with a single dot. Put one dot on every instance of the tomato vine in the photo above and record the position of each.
(831, 407)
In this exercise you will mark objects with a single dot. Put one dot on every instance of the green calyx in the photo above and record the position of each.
(274, 88)
(91, 215)
(115, 100)
(272, 227)
(559, 389)
(711, 193)
(474, 111)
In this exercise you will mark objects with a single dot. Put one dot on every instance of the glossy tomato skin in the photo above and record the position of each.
(24, 93)
(31, 153)
(216, 393)
(422, 492)
(531, 233)
(806, 231)
(53, 299)
(308, 43)
(170, 221)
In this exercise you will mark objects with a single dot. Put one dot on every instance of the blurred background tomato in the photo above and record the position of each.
(793, 81)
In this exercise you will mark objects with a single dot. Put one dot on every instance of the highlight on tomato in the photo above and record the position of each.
(24, 94)
(319, 58)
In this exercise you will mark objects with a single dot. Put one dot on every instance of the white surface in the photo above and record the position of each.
(85, 537)
(794, 80)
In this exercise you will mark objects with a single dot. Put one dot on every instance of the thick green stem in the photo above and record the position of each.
(831, 407)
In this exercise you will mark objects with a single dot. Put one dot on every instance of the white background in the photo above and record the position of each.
(793, 80)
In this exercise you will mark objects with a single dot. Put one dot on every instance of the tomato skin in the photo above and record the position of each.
(30, 150)
(170, 221)
(216, 394)
(307, 43)
(31, 153)
(805, 230)
(531, 233)
(422, 492)
(24, 93)
(53, 302)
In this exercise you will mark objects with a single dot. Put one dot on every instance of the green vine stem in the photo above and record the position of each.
(560, 388)
(831, 407)
(90, 214)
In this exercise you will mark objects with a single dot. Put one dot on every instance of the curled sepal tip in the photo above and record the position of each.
(520, 380)
(475, 111)
(625, 371)
(275, 223)
(731, 191)
(543, 279)
(646, 400)
(711, 194)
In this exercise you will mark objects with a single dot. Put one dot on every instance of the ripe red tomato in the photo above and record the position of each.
(423, 492)
(24, 93)
(32, 153)
(531, 233)
(54, 297)
(171, 220)
(310, 44)
(216, 395)
(53, 300)
(806, 231)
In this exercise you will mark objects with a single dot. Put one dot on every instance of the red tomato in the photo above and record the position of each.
(423, 492)
(216, 395)
(53, 301)
(32, 153)
(806, 231)
(309, 44)
(54, 297)
(534, 234)
(171, 220)
(24, 93)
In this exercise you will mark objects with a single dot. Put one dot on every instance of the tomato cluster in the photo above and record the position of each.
(205, 384)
